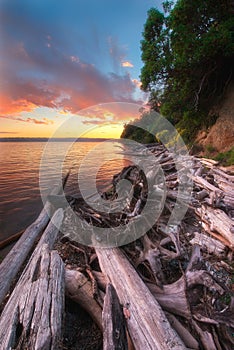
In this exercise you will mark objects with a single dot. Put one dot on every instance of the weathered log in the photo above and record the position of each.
(210, 244)
(184, 334)
(147, 324)
(172, 297)
(207, 229)
(13, 262)
(205, 338)
(218, 222)
(33, 316)
(114, 331)
(79, 289)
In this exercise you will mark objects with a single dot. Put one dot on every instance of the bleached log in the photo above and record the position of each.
(211, 245)
(205, 184)
(15, 259)
(172, 297)
(13, 262)
(207, 229)
(147, 324)
(79, 289)
(218, 221)
(33, 316)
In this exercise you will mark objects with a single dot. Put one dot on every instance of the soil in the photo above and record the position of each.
(80, 332)
(221, 135)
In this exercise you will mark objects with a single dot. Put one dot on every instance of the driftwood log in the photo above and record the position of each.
(14, 261)
(148, 327)
(79, 289)
(172, 286)
(33, 315)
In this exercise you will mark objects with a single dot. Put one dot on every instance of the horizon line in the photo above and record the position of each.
(22, 138)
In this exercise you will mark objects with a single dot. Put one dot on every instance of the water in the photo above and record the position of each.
(19, 174)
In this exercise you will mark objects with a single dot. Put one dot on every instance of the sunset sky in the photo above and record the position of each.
(60, 57)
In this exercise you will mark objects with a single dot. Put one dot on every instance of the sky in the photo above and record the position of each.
(63, 60)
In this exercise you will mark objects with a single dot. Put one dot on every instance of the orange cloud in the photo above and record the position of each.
(127, 64)
(9, 107)
(111, 113)
(137, 83)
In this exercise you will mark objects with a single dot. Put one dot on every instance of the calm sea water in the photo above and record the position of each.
(20, 166)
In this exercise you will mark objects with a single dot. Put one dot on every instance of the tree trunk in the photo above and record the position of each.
(147, 324)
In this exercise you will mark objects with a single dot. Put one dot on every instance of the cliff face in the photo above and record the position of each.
(221, 135)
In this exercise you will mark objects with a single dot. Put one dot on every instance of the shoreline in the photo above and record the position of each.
(180, 249)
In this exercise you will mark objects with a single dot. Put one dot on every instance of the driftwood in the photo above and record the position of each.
(13, 262)
(147, 324)
(218, 222)
(114, 331)
(211, 245)
(33, 316)
(79, 289)
(172, 284)
(191, 293)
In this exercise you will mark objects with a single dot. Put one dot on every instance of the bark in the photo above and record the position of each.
(33, 316)
(146, 322)
(114, 331)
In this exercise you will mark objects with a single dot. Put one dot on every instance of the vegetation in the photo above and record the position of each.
(226, 158)
(188, 56)
(134, 131)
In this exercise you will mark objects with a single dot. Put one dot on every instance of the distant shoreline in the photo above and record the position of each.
(45, 139)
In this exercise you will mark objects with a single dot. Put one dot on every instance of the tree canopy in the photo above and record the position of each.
(188, 55)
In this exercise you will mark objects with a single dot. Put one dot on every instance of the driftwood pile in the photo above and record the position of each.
(169, 289)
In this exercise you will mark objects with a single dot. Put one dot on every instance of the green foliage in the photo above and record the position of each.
(134, 131)
(188, 56)
(226, 158)
(211, 149)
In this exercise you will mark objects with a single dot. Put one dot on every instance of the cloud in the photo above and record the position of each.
(9, 132)
(127, 64)
(117, 113)
(44, 121)
(34, 75)
(137, 83)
